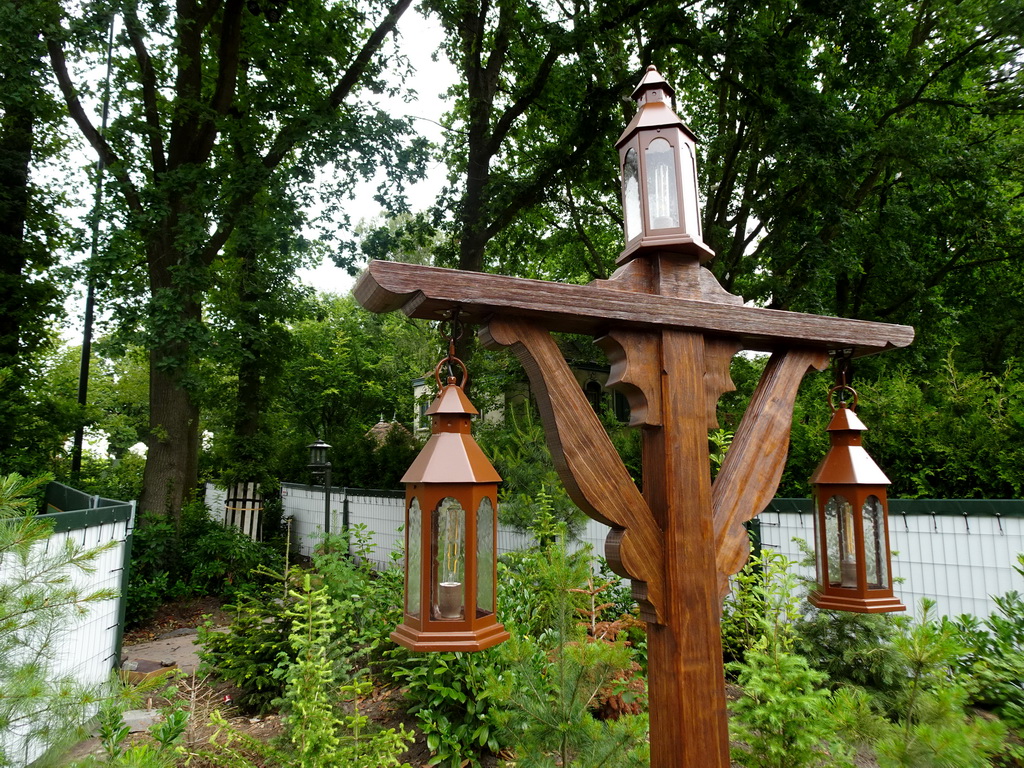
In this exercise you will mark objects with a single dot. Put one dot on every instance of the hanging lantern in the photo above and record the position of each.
(451, 521)
(851, 522)
(658, 163)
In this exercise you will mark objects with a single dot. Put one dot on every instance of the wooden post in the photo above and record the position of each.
(669, 331)
(687, 689)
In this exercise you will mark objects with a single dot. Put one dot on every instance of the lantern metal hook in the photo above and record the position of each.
(842, 403)
(454, 334)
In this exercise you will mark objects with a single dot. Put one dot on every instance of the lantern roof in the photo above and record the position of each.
(844, 419)
(451, 455)
(847, 463)
(652, 80)
(654, 111)
(452, 400)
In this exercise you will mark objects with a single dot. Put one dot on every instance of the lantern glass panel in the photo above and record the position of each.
(414, 558)
(840, 542)
(449, 539)
(631, 194)
(485, 557)
(662, 186)
(876, 564)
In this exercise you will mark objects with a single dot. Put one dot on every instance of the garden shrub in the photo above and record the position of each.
(197, 556)
(994, 665)
(448, 695)
(931, 729)
(785, 718)
(319, 735)
(553, 680)
(852, 648)
(366, 605)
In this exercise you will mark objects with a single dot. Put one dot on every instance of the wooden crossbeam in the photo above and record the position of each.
(429, 292)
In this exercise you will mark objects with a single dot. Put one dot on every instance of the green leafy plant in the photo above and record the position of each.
(319, 735)
(852, 648)
(994, 657)
(785, 718)
(447, 693)
(549, 683)
(761, 607)
(249, 654)
(930, 727)
(365, 604)
(166, 732)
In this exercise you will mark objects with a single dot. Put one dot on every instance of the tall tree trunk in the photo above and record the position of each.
(16, 132)
(172, 460)
(247, 456)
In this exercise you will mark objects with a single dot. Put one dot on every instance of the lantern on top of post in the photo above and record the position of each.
(451, 520)
(851, 521)
(658, 163)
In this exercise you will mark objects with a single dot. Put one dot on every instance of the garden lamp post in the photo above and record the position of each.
(851, 521)
(321, 466)
(670, 331)
(451, 508)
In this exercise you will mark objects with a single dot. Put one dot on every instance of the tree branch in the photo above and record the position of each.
(110, 159)
(147, 77)
(290, 135)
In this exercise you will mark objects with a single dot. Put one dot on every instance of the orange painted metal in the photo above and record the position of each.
(450, 470)
(851, 513)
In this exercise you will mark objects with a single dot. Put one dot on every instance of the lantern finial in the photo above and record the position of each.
(658, 162)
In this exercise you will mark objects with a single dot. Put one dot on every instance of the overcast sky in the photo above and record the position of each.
(420, 38)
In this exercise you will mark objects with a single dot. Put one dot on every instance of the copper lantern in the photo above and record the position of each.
(658, 163)
(851, 523)
(451, 523)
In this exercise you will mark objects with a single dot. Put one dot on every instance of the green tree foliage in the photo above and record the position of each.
(930, 728)
(219, 106)
(538, 85)
(31, 231)
(554, 676)
(39, 596)
(860, 158)
(785, 716)
(347, 370)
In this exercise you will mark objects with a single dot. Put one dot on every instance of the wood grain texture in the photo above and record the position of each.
(753, 465)
(631, 354)
(689, 726)
(586, 460)
(428, 292)
(718, 354)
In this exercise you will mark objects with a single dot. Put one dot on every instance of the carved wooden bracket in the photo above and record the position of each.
(754, 463)
(587, 462)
